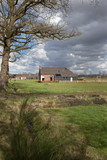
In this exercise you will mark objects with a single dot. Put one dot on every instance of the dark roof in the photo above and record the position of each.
(64, 72)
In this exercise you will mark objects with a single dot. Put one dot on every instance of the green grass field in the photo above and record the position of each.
(76, 114)
(89, 122)
(33, 87)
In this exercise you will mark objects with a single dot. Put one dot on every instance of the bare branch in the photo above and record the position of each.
(15, 58)
(3, 11)
(22, 22)
(1, 54)
(16, 2)
(17, 50)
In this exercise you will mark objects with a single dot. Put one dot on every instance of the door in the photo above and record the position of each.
(51, 78)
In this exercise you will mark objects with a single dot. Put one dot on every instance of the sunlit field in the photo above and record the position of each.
(33, 87)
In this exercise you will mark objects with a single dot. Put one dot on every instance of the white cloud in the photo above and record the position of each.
(55, 19)
(103, 66)
(31, 62)
(0, 60)
(72, 55)
(1, 49)
(39, 52)
(105, 47)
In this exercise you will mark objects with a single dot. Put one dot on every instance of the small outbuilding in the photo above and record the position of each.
(54, 74)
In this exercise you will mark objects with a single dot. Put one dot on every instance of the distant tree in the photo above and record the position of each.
(22, 22)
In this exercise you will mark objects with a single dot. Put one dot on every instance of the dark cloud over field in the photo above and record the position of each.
(86, 53)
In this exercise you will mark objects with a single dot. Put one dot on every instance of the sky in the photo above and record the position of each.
(84, 54)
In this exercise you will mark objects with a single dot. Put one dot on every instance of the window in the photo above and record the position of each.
(58, 74)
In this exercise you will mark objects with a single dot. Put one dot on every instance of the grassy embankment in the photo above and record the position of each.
(74, 133)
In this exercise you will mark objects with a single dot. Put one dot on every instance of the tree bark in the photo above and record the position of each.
(5, 67)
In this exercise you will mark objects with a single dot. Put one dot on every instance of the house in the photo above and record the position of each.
(24, 76)
(53, 74)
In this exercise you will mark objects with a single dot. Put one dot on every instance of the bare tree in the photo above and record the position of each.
(22, 21)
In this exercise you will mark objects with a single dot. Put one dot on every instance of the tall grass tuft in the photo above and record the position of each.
(26, 136)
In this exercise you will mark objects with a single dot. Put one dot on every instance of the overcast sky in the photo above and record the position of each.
(86, 53)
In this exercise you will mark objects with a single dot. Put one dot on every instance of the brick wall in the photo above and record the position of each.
(47, 77)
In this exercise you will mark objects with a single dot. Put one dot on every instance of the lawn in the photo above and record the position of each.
(33, 87)
(89, 122)
(73, 115)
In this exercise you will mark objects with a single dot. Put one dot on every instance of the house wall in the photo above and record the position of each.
(17, 78)
(57, 78)
(47, 77)
(60, 78)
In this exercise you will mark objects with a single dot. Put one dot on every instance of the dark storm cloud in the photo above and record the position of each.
(84, 53)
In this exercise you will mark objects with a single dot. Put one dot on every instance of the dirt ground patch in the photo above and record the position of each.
(99, 101)
(59, 101)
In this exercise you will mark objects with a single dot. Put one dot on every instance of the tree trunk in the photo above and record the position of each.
(5, 67)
